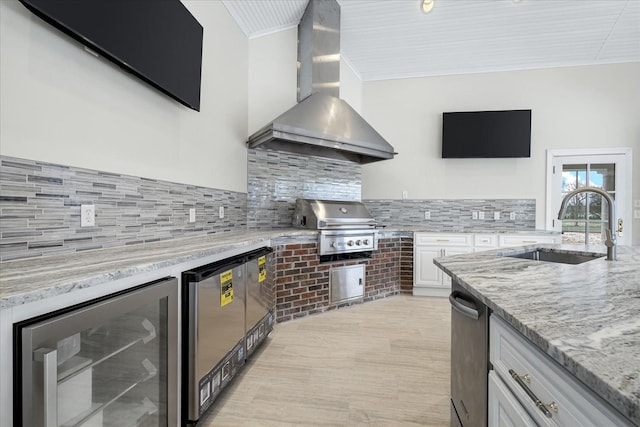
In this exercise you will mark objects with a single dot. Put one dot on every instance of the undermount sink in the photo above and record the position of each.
(550, 255)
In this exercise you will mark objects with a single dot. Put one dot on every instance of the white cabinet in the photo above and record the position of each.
(531, 375)
(506, 240)
(429, 280)
(485, 242)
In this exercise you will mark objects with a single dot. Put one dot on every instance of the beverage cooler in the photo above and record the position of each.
(108, 362)
(227, 311)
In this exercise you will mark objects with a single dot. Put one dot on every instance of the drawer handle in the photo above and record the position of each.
(442, 240)
(531, 394)
(529, 241)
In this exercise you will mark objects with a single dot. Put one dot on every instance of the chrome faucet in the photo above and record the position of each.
(610, 240)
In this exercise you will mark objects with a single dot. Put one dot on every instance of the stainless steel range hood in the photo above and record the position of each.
(321, 124)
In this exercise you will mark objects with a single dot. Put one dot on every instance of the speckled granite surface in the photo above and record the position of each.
(24, 281)
(586, 316)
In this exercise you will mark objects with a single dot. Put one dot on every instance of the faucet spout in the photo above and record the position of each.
(610, 236)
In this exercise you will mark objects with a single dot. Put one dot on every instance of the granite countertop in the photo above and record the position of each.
(585, 316)
(29, 280)
(471, 230)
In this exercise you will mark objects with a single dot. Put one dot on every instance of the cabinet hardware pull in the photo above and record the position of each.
(531, 394)
(49, 360)
(529, 241)
(442, 240)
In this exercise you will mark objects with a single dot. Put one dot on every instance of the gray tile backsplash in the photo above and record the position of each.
(40, 204)
(40, 209)
(449, 214)
(277, 179)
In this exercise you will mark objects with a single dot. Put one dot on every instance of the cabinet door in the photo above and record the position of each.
(425, 271)
(504, 409)
(446, 280)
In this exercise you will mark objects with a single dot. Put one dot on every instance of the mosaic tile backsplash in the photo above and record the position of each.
(276, 179)
(454, 214)
(40, 209)
(40, 204)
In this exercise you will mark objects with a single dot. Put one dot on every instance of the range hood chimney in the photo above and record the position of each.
(321, 124)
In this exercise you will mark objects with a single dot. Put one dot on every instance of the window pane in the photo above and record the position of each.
(577, 207)
(574, 232)
(603, 176)
(573, 176)
(598, 207)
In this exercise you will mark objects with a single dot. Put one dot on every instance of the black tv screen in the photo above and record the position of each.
(158, 41)
(486, 134)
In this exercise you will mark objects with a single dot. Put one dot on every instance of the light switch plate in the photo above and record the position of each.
(427, 214)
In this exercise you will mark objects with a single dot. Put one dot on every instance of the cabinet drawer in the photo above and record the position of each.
(569, 402)
(485, 241)
(504, 409)
(522, 239)
(438, 239)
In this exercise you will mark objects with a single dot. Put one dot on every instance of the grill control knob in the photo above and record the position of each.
(357, 242)
(365, 242)
(350, 243)
(334, 244)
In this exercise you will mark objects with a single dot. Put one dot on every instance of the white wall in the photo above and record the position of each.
(272, 76)
(577, 107)
(60, 104)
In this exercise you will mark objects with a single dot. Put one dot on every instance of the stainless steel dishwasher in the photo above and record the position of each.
(469, 358)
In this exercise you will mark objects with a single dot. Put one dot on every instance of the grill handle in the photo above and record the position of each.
(342, 224)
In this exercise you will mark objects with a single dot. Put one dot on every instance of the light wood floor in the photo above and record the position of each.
(382, 363)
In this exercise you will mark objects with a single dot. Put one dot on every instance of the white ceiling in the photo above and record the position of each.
(388, 39)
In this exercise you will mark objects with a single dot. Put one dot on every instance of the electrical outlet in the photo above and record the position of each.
(474, 214)
(405, 194)
(481, 215)
(512, 216)
(192, 215)
(87, 215)
(636, 214)
(221, 212)
(636, 203)
(427, 215)
(496, 216)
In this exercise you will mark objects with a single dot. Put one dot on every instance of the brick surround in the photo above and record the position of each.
(302, 282)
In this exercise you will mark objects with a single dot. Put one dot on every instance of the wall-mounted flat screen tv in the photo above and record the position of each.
(486, 134)
(158, 41)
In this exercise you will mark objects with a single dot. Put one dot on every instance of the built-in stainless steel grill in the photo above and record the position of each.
(345, 227)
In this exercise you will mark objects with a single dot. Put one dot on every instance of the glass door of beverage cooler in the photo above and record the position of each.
(112, 362)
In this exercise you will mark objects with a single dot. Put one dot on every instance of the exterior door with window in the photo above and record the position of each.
(587, 214)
